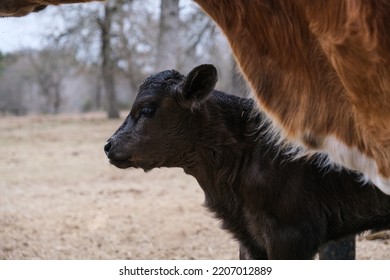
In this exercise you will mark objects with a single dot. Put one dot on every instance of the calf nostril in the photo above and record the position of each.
(107, 147)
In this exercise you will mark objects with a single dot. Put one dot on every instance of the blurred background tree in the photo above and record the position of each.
(93, 57)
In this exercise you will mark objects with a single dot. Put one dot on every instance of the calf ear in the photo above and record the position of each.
(199, 83)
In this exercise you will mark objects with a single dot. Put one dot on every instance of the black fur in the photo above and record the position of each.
(276, 207)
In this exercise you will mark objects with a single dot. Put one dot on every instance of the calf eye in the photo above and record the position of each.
(147, 112)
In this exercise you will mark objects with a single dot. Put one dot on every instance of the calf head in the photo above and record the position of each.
(161, 128)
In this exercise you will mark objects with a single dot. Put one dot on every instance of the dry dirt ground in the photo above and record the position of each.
(60, 199)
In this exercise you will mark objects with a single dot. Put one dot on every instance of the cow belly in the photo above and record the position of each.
(353, 159)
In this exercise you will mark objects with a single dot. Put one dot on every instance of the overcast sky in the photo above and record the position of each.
(18, 33)
(28, 31)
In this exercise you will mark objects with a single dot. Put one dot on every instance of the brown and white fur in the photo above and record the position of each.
(321, 72)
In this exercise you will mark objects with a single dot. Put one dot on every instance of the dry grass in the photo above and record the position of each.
(60, 199)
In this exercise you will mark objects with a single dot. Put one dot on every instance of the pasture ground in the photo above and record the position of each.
(61, 199)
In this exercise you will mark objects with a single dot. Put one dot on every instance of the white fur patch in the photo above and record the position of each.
(333, 155)
(351, 158)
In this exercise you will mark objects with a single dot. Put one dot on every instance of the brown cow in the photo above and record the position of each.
(321, 72)
(18, 8)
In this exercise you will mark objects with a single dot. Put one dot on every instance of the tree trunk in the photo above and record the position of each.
(98, 93)
(167, 42)
(107, 63)
(238, 84)
(56, 98)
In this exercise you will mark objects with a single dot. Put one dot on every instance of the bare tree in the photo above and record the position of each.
(124, 40)
(105, 24)
(167, 43)
(11, 87)
(202, 42)
(238, 84)
(135, 35)
(50, 68)
(1, 63)
(115, 46)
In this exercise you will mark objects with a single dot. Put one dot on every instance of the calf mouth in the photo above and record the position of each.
(134, 163)
(122, 164)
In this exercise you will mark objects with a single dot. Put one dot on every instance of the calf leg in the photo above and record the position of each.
(343, 249)
(244, 254)
(293, 244)
(252, 253)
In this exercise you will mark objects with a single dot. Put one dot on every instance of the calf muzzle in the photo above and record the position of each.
(107, 148)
